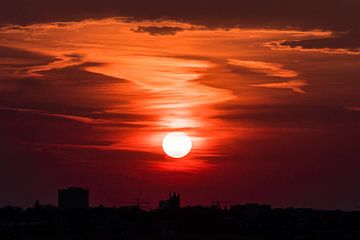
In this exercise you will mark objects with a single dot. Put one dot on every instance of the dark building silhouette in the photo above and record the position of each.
(240, 221)
(73, 198)
(173, 203)
(37, 205)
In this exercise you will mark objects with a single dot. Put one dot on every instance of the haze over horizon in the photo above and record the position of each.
(268, 92)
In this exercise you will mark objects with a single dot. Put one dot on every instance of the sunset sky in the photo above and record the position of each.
(268, 91)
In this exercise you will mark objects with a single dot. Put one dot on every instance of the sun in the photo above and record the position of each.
(177, 144)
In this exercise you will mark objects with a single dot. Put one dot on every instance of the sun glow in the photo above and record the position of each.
(177, 144)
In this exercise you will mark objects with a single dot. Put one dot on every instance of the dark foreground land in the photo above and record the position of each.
(249, 221)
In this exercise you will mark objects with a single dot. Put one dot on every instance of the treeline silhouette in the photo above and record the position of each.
(249, 221)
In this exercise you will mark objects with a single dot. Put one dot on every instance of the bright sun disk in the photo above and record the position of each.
(177, 144)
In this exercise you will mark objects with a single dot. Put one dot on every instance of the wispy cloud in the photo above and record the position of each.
(64, 116)
(305, 46)
(294, 85)
(268, 68)
(63, 61)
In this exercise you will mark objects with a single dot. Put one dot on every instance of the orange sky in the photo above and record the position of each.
(114, 87)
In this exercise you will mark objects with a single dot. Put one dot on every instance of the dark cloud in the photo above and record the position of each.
(74, 56)
(78, 86)
(302, 14)
(31, 126)
(77, 75)
(15, 58)
(9, 52)
(156, 31)
(320, 14)
(348, 41)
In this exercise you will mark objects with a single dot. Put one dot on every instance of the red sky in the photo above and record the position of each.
(270, 100)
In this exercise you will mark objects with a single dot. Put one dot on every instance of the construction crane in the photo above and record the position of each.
(139, 204)
(220, 203)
